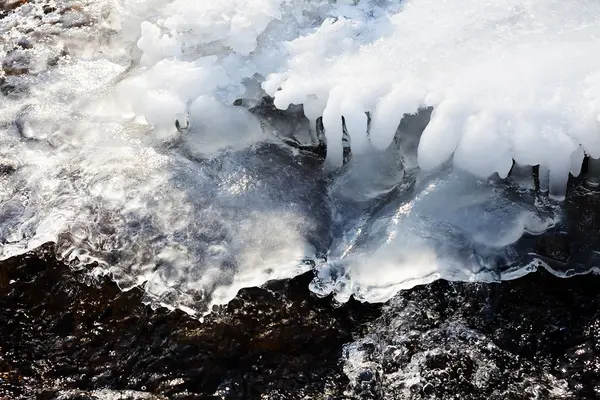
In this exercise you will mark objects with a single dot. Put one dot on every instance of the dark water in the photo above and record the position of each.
(63, 337)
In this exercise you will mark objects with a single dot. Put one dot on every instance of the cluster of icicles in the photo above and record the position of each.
(482, 65)
(551, 181)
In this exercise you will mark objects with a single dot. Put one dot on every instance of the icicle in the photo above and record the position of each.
(577, 161)
(384, 123)
(356, 126)
(593, 173)
(332, 122)
(389, 112)
(313, 131)
(559, 178)
(313, 110)
(544, 178)
(522, 175)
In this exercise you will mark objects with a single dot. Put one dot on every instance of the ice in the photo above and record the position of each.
(472, 152)
(558, 179)
(577, 158)
(356, 125)
(440, 138)
(523, 176)
(97, 165)
(214, 126)
(332, 122)
(483, 66)
(129, 151)
(154, 46)
(236, 23)
(388, 112)
(420, 236)
(544, 177)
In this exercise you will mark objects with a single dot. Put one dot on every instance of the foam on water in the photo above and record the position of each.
(129, 152)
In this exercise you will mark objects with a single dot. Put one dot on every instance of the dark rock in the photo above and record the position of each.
(24, 43)
(48, 8)
(535, 336)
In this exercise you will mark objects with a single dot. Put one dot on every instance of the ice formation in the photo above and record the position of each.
(421, 235)
(482, 65)
(136, 132)
(508, 80)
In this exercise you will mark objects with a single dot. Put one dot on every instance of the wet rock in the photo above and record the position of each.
(7, 165)
(534, 337)
(8, 5)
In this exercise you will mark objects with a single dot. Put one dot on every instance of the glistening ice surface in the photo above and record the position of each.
(121, 142)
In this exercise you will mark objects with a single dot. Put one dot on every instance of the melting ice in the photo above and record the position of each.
(137, 137)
